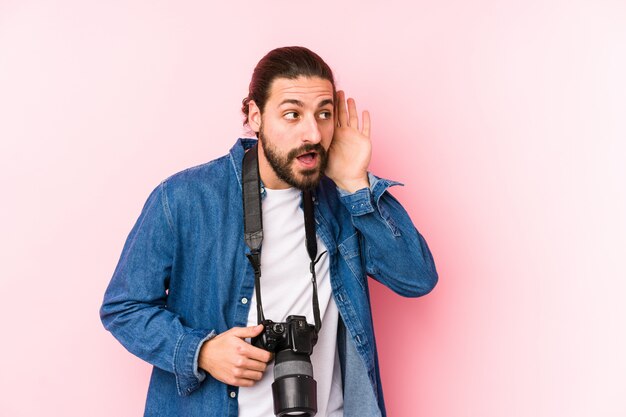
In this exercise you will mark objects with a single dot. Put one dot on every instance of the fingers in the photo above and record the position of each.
(348, 115)
(244, 332)
(245, 372)
(341, 108)
(353, 116)
(242, 378)
(230, 359)
(254, 352)
(255, 365)
(249, 369)
(366, 123)
(246, 349)
(240, 382)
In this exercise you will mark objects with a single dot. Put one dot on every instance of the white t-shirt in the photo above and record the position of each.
(286, 289)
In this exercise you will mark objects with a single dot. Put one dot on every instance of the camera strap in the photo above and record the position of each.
(253, 229)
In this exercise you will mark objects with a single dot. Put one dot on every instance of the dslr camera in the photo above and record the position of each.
(294, 389)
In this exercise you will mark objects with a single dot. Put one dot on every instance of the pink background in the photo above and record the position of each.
(505, 120)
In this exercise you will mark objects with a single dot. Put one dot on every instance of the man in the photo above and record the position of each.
(183, 294)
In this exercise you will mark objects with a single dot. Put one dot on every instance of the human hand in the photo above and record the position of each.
(351, 149)
(230, 359)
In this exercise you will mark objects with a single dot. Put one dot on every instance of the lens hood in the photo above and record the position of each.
(295, 395)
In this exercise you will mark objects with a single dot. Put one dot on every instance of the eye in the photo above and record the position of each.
(292, 115)
(326, 114)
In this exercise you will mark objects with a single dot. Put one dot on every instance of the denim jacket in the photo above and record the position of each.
(183, 277)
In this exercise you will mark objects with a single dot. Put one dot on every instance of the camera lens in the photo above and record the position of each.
(294, 389)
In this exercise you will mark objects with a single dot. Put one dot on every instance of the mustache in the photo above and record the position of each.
(305, 149)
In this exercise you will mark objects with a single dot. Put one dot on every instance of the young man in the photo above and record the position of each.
(183, 295)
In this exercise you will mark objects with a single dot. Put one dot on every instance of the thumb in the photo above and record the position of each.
(251, 331)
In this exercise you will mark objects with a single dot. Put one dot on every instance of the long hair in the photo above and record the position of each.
(288, 62)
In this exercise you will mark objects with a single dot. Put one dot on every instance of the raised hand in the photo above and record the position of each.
(351, 149)
(230, 359)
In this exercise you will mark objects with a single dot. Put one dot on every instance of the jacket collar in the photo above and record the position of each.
(236, 155)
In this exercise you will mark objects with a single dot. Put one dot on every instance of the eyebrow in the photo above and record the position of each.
(301, 104)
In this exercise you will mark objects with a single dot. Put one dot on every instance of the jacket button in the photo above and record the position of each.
(232, 394)
(244, 300)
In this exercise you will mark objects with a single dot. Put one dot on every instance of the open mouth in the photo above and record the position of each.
(308, 159)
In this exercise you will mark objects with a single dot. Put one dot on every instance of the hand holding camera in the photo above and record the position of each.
(230, 359)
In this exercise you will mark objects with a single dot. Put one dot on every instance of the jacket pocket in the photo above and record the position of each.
(351, 254)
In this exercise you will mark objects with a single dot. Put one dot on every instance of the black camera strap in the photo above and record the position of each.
(253, 229)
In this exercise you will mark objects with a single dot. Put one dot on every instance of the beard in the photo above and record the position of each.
(282, 165)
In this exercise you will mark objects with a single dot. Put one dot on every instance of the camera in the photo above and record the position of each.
(294, 389)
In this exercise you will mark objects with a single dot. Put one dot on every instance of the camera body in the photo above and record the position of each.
(294, 334)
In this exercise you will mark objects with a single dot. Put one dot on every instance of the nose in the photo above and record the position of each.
(311, 130)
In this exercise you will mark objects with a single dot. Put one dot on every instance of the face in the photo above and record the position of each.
(295, 131)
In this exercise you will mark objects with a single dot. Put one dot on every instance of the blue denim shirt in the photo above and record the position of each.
(183, 277)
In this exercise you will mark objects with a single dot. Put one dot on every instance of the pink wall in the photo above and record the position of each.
(505, 119)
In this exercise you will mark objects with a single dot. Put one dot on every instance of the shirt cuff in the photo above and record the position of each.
(188, 375)
(362, 201)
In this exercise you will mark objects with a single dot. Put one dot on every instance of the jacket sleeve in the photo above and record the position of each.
(393, 251)
(135, 310)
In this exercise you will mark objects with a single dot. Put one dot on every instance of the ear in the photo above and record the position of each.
(254, 116)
